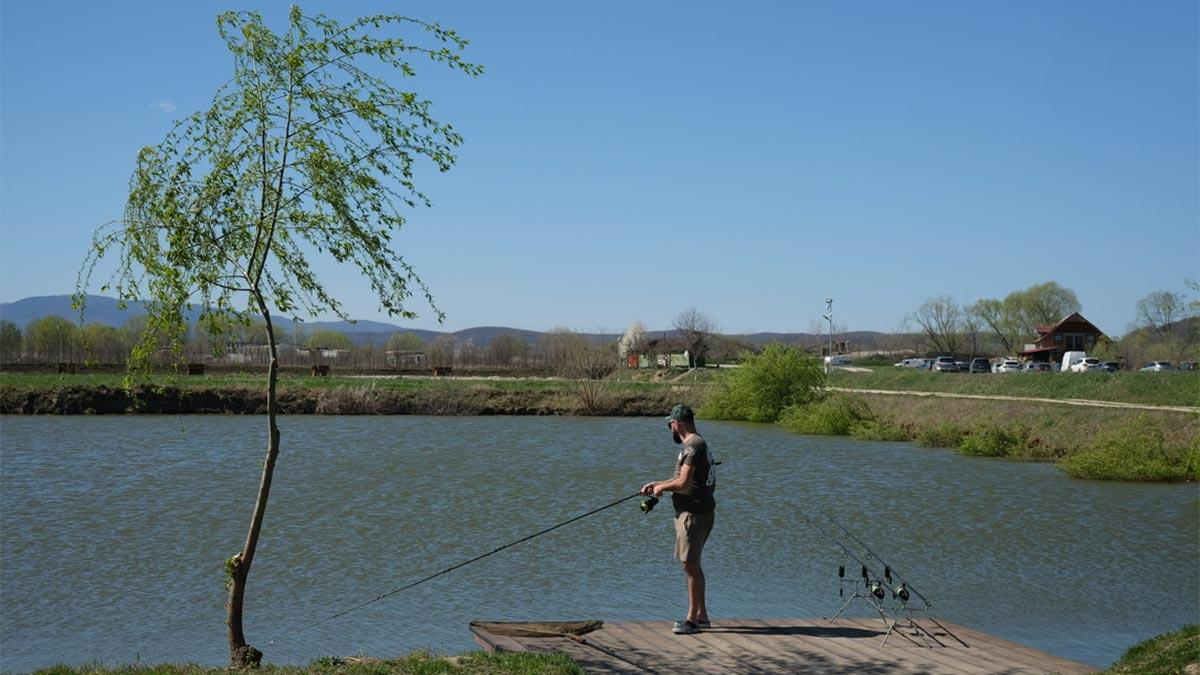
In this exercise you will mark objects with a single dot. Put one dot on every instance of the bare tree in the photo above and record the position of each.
(696, 329)
(505, 348)
(1158, 311)
(940, 319)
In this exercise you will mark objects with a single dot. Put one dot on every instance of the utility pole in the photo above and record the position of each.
(829, 317)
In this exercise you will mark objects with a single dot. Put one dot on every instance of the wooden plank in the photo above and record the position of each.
(618, 652)
(756, 655)
(808, 642)
(762, 647)
(947, 659)
(1036, 660)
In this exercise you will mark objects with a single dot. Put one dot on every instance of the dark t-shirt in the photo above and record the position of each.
(697, 495)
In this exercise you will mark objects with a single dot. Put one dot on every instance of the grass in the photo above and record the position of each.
(1091, 443)
(1167, 654)
(1135, 450)
(1174, 388)
(420, 663)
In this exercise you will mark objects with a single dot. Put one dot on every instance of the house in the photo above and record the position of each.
(1072, 333)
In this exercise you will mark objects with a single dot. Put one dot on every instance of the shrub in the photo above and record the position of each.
(995, 442)
(765, 384)
(941, 435)
(878, 430)
(835, 415)
(1134, 450)
(1168, 653)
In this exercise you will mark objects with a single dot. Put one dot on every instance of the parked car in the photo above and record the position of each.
(1038, 367)
(837, 360)
(1110, 366)
(945, 364)
(980, 365)
(1009, 366)
(963, 366)
(1158, 367)
(913, 363)
(1088, 364)
(1071, 358)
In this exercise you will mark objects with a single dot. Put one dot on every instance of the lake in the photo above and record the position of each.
(113, 532)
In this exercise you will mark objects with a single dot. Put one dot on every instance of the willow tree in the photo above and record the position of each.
(309, 150)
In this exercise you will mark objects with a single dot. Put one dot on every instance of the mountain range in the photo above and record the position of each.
(105, 310)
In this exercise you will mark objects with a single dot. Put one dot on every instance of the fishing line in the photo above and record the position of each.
(457, 566)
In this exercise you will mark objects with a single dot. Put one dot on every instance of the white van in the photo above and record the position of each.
(1070, 359)
(838, 360)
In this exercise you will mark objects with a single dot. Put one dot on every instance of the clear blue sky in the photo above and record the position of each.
(626, 160)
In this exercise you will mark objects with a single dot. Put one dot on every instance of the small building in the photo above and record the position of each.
(1071, 334)
(406, 359)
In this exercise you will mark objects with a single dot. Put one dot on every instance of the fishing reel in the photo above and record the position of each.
(648, 504)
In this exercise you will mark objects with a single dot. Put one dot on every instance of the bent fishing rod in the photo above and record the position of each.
(645, 509)
(888, 569)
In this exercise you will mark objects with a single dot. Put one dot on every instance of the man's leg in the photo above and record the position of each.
(697, 611)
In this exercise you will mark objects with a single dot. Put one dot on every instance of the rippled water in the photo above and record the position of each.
(113, 531)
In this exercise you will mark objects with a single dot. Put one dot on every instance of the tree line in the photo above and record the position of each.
(1166, 324)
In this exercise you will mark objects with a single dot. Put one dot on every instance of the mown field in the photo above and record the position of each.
(1176, 389)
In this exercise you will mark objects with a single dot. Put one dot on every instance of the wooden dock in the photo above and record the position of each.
(784, 646)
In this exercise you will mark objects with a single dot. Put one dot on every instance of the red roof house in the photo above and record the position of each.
(1072, 333)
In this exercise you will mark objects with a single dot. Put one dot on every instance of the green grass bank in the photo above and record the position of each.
(785, 386)
(1174, 653)
(1171, 389)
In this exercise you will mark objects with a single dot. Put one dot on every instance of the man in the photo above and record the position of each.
(692, 496)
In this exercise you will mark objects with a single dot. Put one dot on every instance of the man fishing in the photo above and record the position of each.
(692, 496)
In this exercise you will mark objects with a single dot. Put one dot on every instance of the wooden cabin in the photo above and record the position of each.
(1071, 334)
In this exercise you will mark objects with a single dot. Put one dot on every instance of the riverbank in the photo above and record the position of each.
(1089, 442)
(101, 394)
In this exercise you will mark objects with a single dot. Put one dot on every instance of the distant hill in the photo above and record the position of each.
(102, 309)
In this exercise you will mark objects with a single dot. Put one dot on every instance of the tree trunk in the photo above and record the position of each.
(242, 655)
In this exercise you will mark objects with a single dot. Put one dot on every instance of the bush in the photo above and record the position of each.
(835, 415)
(1134, 450)
(765, 384)
(878, 430)
(995, 442)
(941, 435)
(1166, 654)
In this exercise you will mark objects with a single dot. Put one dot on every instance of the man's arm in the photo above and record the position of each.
(656, 488)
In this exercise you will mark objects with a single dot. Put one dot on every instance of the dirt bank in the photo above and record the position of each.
(475, 399)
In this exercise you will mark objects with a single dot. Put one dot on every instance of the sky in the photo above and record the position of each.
(626, 160)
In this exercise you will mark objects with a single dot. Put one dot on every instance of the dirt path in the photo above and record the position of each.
(992, 397)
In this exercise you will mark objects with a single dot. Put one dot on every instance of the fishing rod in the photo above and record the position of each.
(841, 568)
(645, 509)
(889, 571)
(875, 590)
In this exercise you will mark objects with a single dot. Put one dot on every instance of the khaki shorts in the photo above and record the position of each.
(691, 531)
